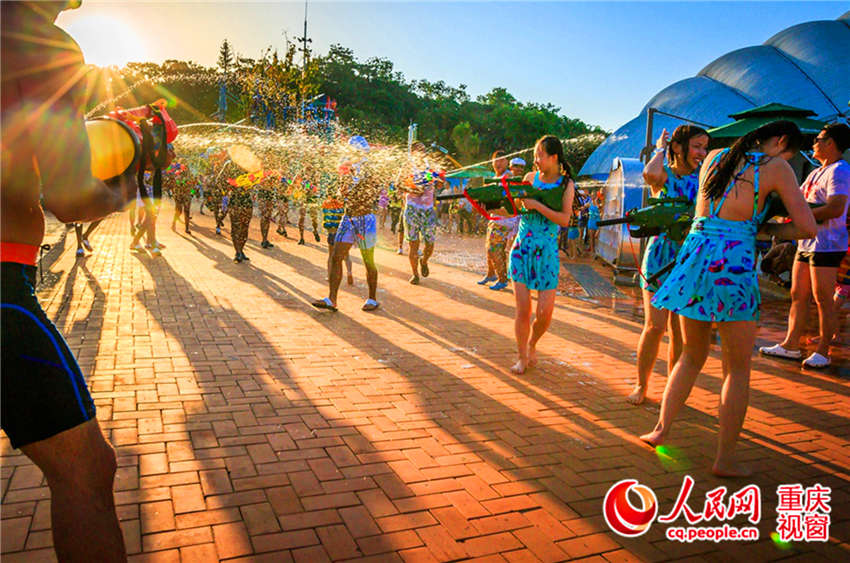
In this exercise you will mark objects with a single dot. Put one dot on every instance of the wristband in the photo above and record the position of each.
(658, 150)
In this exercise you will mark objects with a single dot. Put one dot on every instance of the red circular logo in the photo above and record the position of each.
(624, 518)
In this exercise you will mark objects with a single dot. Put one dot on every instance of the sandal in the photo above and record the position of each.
(424, 266)
(816, 361)
(370, 305)
(778, 351)
(324, 304)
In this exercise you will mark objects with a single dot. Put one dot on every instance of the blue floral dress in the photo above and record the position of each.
(534, 257)
(661, 250)
(715, 276)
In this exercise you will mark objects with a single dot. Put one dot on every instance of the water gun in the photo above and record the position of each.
(773, 207)
(671, 215)
(332, 212)
(502, 193)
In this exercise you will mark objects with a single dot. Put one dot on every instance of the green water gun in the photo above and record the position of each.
(502, 192)
(671, 215)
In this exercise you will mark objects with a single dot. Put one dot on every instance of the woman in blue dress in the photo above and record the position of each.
(534, 262)
(715, 277)
(678, 177)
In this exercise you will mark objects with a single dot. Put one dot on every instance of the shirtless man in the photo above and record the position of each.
(47, 410)
(359, 193)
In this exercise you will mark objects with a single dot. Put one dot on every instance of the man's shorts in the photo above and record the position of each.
(43, 390)
(820, 259)
(361, 230)
(420, 221)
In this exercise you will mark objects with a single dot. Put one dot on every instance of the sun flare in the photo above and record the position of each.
(105, 40)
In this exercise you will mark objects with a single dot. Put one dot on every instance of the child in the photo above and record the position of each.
(534, 263)
(332, 212)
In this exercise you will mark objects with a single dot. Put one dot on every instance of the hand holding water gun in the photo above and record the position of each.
(671, 215)
(503, 193)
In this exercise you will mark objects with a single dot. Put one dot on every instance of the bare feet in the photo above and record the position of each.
(731, 470)
(638, 395)
(654, 438)
(520, 367)
(532, 356)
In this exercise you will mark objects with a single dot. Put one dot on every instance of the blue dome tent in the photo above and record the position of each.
(805, 66)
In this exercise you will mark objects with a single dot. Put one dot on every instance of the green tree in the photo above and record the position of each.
(467, 143)
(225, 57)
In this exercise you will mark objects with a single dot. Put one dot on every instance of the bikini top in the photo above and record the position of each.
(751, 159)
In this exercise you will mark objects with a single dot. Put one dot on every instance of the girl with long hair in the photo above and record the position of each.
(673, 171)
(715, 279)
(534, 262)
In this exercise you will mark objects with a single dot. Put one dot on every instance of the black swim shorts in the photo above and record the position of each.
(43, 390)
(820, 259)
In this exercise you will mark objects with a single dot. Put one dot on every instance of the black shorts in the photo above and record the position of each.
(43, 390)
(821, 259)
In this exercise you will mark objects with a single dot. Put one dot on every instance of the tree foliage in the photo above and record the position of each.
(373, 99)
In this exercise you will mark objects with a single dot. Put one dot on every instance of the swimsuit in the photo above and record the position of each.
(534, 257)
(661, 251)
(715, 276)
(43, 390)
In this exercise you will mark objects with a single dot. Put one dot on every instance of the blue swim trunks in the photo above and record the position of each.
(361, 230)
(43, 391)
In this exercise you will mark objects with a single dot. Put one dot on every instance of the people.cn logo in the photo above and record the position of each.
(624, 518)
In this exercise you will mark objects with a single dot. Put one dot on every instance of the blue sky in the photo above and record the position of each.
(597, 61)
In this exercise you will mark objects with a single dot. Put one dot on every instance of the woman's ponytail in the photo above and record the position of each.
(723, 173)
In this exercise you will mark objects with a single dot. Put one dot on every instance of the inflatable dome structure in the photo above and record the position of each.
(805, 66)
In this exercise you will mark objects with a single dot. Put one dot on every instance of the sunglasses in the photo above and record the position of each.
(821, 139)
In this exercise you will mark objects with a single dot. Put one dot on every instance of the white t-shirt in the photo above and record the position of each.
(822, 183)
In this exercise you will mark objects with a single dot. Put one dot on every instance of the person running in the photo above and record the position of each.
(47, 410)
(305, 208)
(816, 263)
(534, 263)
(359, 194)
(83, 237)
(420, 216)
(500, 233)
(215, 193)
(282, 207)
(149, 215)
(678, 177)
(715, 278)
(241, 208)
(265, 202)
(179, 181)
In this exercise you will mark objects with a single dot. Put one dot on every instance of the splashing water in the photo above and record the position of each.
(310, 161)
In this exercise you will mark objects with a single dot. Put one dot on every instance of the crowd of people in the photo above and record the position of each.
(714, 280)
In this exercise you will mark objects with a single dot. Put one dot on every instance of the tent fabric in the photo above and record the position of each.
(804, 66)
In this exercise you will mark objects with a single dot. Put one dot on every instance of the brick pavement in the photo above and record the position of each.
(249, 426)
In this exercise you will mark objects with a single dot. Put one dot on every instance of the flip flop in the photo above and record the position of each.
(816, 361)
(370, 305)
(777, 351)
(324, 304)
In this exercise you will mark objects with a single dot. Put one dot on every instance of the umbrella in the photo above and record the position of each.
(752, 119)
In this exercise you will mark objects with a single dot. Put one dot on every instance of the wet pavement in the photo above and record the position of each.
(251, 427)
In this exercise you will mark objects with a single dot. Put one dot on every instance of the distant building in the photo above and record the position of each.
(806, 66)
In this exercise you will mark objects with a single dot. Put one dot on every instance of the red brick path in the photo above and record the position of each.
(249, 426)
